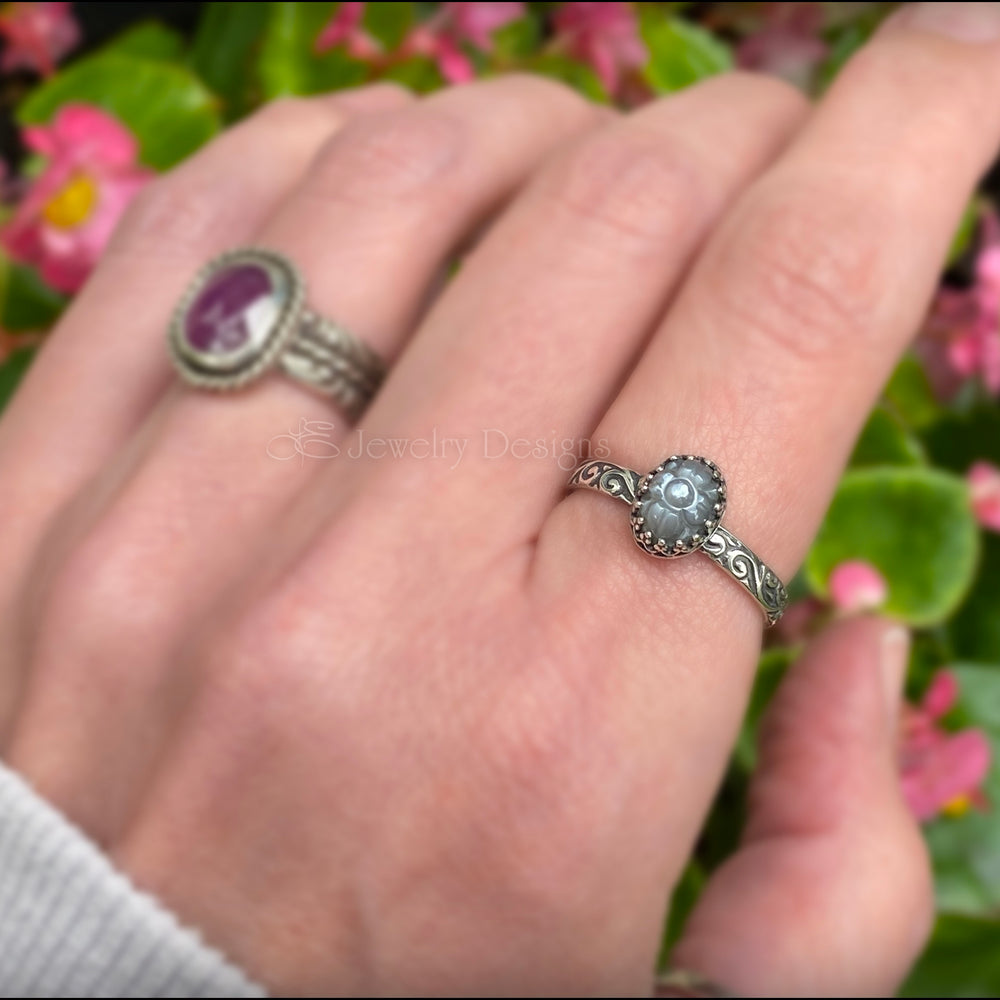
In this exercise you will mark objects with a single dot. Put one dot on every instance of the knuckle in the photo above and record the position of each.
(168, 216)
(528, 90)
(100, 600)
(390, 157)
(760, 89)
(636, 188)
(801, 274)
(295, 113)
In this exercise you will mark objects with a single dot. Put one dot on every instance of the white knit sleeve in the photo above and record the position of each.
(71, 925)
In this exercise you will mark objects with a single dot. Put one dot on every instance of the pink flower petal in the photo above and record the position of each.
(86, 133)
(603, 35)
(476, 22)
(37, 35)
(86, 147)
(955, 767)
(984, 489)
(856, 585)
(453, 63)
(345, 29)
(941, 695)
(967, 321)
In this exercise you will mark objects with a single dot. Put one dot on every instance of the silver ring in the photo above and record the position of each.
(245, 314)
(676, 510)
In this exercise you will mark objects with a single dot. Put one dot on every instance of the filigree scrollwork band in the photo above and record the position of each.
(676, 509)
(608, 478)
(745, 565)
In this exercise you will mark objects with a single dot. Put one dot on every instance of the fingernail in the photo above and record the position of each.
(894, 658)
(964, 22)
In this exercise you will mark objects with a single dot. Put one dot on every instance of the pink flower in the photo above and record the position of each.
(38, 35)
(856, 585)
(442, 38)
(967, 321)
(787, 44)
(345, 29)
(453, 63)
(940, 772)
(70, 210)
(604, 35)
(984, 487)
(475, 23)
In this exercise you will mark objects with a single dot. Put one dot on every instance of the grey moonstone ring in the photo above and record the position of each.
(677, 509)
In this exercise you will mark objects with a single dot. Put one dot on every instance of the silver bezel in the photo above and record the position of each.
(210, 371)
(656, 546)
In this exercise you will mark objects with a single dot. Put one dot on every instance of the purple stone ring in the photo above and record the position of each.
(245, 314)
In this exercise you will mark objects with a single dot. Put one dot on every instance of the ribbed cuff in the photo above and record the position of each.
(71, 925)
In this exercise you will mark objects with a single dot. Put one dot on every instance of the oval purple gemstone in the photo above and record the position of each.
(220, 319)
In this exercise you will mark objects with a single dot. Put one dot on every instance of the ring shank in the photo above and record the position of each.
(722, 546)
(328, 358)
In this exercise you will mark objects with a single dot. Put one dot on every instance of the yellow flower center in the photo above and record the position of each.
(72, 203)
(958, 806)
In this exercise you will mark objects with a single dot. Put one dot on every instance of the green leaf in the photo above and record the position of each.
(962, 960)
(909, 395)
(959, 439)
(12, 371)
(685, 895)
(288, 62)
(225, 48)
(681, 53)
(390, 23)
(517, 40)
(148, 40)
(419, 74)
(28, 303)
(572, 72)
(967, 227)
(966, 850)
(915, 525)
(975, 630)
(167, 107)
(885, 441)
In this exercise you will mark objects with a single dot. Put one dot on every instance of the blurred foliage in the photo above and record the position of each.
(914, 525)
(903, 504)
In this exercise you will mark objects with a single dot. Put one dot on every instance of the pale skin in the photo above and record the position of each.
(406, 726)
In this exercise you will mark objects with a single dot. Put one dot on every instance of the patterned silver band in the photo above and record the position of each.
(245, 314)
(334, 361)
(676, 510)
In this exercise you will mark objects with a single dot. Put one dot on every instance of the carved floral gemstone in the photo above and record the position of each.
(679, 503)
(237, 308)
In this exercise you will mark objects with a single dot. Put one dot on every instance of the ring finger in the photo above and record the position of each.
(377, 216)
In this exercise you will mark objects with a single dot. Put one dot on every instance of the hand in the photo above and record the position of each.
(419, 725)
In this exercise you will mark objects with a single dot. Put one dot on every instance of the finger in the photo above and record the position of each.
(550, 310)
(220, 196)
(768, 363)
(803, 300)
(375, 219)
(829, 895)
(64, 423)
(771, 356)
